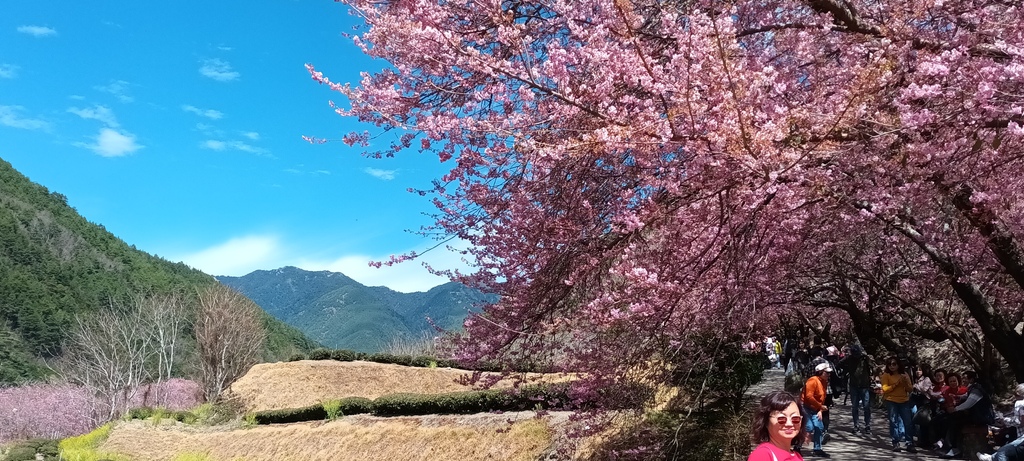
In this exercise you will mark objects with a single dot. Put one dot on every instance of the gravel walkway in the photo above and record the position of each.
(843, 444)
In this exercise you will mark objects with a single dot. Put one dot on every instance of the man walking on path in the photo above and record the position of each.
(858, 367)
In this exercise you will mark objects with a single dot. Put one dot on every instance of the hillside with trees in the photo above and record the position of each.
(341, 313)
(58, 271)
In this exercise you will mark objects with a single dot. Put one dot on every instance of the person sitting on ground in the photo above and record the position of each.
(923, 384)
(920, 398)
(1013, 451)
(933, 430)
(778, 429)
(946, 403)
(896, 388)
(975, 408)
(938, 384)
(813, 400)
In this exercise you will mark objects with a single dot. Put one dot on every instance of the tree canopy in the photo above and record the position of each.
(635, 173)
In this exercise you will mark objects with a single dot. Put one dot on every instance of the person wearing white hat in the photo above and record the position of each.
(813, 399)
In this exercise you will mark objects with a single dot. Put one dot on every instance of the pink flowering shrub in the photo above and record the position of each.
(61, 410)
(45, 411)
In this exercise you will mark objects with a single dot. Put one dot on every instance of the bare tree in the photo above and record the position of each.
(109, 353)
(168, 316)
(229, 337)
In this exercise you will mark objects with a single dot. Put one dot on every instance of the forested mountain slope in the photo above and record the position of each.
(342, 313)
(55, 264)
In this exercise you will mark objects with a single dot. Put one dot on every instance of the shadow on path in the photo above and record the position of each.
(843, 444)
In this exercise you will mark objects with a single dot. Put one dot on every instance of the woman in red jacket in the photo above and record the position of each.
(778, 429)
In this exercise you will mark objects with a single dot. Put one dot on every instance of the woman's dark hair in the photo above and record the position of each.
(775, 401)
(953, 374)
(899, 365)
(939, 370)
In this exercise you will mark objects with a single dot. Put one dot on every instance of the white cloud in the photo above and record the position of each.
(208, 113)
(112, 143)
(37, 31)
(118, 88)
(218, 70)
(237, 256)
(8, 70)
(386, 175)
(10, 116)
(213, 144)
(244, 147)
(101, 113)
(251, 135)
(241, 255)
(406, 277)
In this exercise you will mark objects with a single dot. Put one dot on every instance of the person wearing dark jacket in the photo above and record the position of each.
(974, 408)
(857, 368)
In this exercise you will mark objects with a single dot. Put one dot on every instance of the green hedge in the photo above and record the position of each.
(26, 450)
(182, 416)
(554, 396)
(349, 406)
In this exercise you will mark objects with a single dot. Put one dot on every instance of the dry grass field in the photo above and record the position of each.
(510, 436)
(484, 436)
(272, 386)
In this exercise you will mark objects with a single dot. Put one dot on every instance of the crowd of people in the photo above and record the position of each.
(924, 408)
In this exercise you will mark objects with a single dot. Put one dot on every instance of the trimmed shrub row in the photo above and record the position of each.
(26, 450)
(423, 361)
(547, 397)
(181, 416)
(349, 406)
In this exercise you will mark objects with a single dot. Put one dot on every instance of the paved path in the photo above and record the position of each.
(844, 445)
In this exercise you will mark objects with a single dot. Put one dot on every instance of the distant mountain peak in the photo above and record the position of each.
(339, 312)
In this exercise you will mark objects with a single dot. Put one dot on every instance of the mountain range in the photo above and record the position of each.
(339, 312)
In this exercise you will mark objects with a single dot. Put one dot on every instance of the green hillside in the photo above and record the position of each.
(341, 313)
(55, 264)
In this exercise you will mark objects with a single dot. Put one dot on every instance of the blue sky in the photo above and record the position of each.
(178, 126)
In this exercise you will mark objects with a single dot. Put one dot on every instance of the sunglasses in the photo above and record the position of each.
(795, 419)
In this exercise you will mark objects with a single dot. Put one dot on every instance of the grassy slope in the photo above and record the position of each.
(271, 386)
(356, 438)
(485, 436)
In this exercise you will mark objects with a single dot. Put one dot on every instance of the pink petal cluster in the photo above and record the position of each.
(56, 411)
(634, 173)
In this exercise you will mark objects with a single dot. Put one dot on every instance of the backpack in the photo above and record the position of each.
(860, 376)
(794, 381)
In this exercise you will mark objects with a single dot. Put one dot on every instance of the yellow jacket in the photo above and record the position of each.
(896, 388)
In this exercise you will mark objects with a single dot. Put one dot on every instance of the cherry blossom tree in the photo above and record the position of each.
(633, 174)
